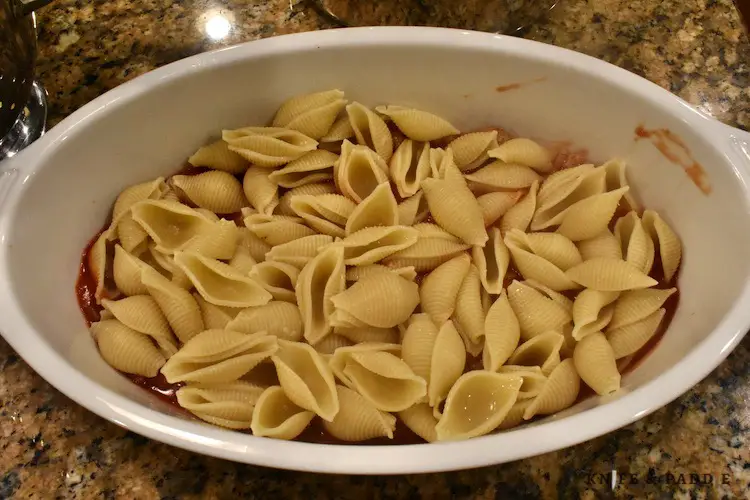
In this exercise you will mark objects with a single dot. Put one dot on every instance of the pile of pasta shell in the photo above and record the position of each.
(339, 265)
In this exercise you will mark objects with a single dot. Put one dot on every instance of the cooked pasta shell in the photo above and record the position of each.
(430, 230)
(277, 318)
(470, 150)
(635, 243)
(277, 229)
(142, 314)
(589, 217)
(342, 355)
(560, 391)
(167, 263)
(437, 356)
(455, 209)
(590, 314)
(131, 235)
(447, 364)
(218, 356)
(542, 350)
(519, 215)
(218, 157)
(418, 345)
(439, 289)
(413, 210)
(275, 415)
(226, 405)
(300, 251)
(268, 146)
(174, 226)
(554, 248)
(358, 171)
(358, 419)
(248, 246)
(670, 248)
(469, 314)
(495, 205)
(370, 130)
(616, 179)
(285, 202)
(380, 377)
(316, 119)
(306, 379)
(378, 209)
(170, 224)
(382, 300)
(416, 124)
(126, 269)
(633, 306)
(320, 279)
(566, 177)
(219, 241)
(356, 273)
(533, 380)
(340, 130)
(609, 275)
(536, 313)
(515, 414)
(298, 105)
(214, 190)
(221, 284)
(179, 307)
(499, 175)
(526, 152)
(440, 161)
(372, 244)
(135, 193)
(551, 208)
(629, 339)
(539, 267)
(409, 166)
(605, 245)
(126, 350)
(492, 262)
(277, 278)
(595, 363)
(420, 420)
(369, 334)
(477, 404)
(427, 253)
(326, 213)
(312, 167)
(260, 190)
(214, 317)
(551, 294)
(501, 334)
(331, 342)
(170, 195)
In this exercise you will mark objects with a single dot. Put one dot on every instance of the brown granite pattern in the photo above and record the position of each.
(52, 448)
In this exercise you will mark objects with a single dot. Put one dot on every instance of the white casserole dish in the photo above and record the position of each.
(56, 195)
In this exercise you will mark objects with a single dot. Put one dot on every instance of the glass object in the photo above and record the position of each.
(497, 16)
(23, 103)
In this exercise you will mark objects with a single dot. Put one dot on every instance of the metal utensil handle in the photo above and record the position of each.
(31, 5)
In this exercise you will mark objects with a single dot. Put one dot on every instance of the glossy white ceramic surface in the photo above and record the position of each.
(57, 194)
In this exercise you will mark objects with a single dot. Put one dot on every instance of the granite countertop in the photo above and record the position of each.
(52, 448)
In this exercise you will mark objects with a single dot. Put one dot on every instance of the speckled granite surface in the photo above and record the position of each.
(52, 448)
